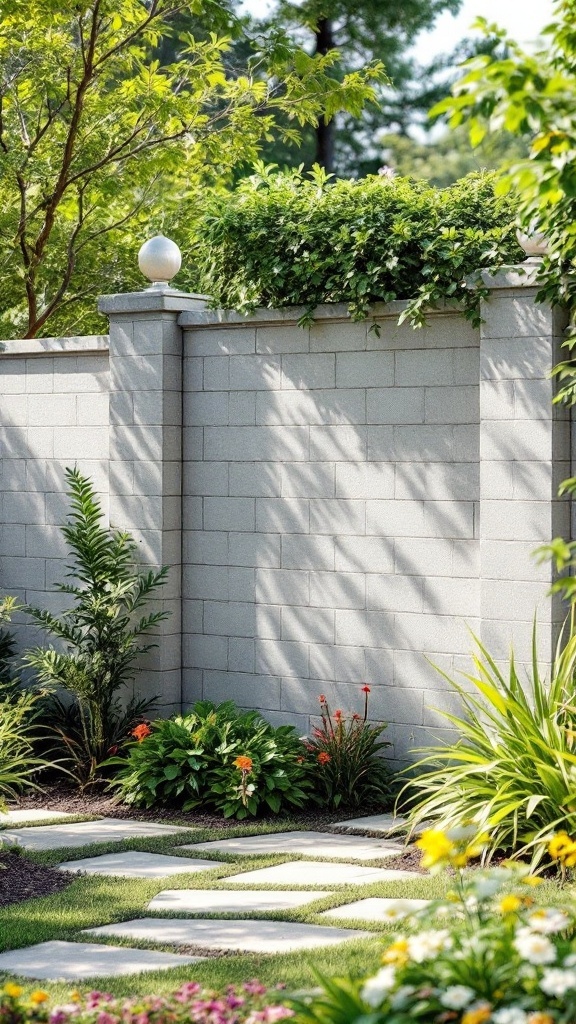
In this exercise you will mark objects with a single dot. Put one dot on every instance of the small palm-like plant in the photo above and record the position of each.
(512, 772)
(100, 635)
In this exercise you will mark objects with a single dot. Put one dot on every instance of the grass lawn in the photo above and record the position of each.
(96, 900)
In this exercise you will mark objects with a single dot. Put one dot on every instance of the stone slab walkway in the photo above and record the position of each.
(32, 815)
(214, 901)
(106, 830)
(317, 844)
(242, 936)
(377, 909)
(309, 872)
(385, 823)
(76, 961)
(138, 865)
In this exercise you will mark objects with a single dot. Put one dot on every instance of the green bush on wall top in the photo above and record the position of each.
(286, 239)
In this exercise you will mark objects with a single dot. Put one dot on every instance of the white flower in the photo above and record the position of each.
(401, 996)
(555, 982)
(509, 1015)
(548, 921)
(570, 961)
(426, 945)
(456, 997)
(398, 910)
(536, 949)
(376, 988)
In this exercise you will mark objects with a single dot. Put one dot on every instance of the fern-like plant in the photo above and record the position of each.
(100, 635)
(512, 771)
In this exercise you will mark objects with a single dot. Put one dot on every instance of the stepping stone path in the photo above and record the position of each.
(384, 823)
(138, 865)
(317, 844)
(17, 817)
(214, 901)
(242, 936)
(312, 872)
(106, 830)
(75, 961)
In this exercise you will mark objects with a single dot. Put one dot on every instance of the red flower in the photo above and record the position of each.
(323, 757)
(322, 698)
(141, 732)
(365, 689)
(356, 716)
(338, 714)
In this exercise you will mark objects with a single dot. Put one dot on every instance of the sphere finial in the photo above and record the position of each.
(159, 260)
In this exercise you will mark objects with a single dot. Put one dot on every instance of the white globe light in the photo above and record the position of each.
(159, 259)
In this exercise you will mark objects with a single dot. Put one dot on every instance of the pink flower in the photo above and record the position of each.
(254, 987)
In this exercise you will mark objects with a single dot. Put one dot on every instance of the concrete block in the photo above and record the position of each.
(429, 368)
(381, 444)
(510, 600)
(450, 519)
(206, 408)
(337, 590)
(321, 661)
(40, 375)
(237, 514)
(432, 634)
(392, 704)
(466, 440)
(300, 723)
(27, 573)
(206, 548)
(457, 405)
(282, 658)
(516, 520)
(206, 478)
(304, 552)
(337, 516)
(231, 618)
(256, 479)
(12, 540)
(22, 508)
(533, 399)
(192, 616)
(13, 475)
(255, 373)
(311, 480)
(391, 519)
(282, 515)
(245, 689)
(15, 409)
(515, 316)
(446, 596)
(438, 481)
(136, 443)
(282, 586)
(369, 480)
(121, 408)
(256, 444)
(299, 624)
(241, 584)
(356, 628)
(516, 358)
(280, 338)
(216, 373)
(241, 655)
(206, 582)
(191, 687)
(39, 442)
(268, 621)
(14, 376)
(379, 664)
(364, 369)
(311, 407)
(466, 365)
(349, 665)
(223, 340)
(193, 374)
(389, 405)
(242, 408)
(466, 558)
(307, 372)
(338, 444)
(210, 652)
(422, 557)
(334, 337)
(394, 593)
(364, 554)
(259, 549)
(424, 444)
(512, 560)
(497, 399)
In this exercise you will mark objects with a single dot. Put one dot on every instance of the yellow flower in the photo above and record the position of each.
(437, 847)
(533, 880)
(12, 990)
(540, 1018)
(39, 996)
(75, 996)
(561, 846)
(477, 1015)
(397, 953)
(509, 904)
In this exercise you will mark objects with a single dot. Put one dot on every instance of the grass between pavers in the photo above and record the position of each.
(92, 900)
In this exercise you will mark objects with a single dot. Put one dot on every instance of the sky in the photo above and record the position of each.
(522, 18)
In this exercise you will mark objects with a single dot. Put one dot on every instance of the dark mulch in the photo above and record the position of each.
(22, 879)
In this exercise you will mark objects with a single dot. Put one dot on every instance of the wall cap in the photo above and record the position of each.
(152, 300)
(336, 312)
(36, 347)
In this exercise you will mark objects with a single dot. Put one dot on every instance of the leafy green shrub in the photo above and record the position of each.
(99, 635)
(215, 756)
(512, 771)
(283, 239)
(18, 761)
(344, 752)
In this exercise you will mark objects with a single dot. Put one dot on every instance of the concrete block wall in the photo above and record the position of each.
(54, 414)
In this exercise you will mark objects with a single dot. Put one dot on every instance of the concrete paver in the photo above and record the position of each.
(133, 864)
(303, 872)
(243, 936)
(75, 961)
(223, 901)
(376, 909)
(375, 823)
(15, 817)
(318, 844)
(52, 837)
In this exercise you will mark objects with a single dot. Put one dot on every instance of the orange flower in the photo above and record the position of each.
(323, 757)
(141, 732)
(243, 763)
(477, 1015)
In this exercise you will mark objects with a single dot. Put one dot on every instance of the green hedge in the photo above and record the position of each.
(285, 239)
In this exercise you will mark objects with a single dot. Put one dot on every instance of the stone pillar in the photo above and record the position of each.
(524, 454)
(146, 458)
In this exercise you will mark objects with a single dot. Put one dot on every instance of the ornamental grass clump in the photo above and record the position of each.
(511, 773)
(486, 954)
(344, 753)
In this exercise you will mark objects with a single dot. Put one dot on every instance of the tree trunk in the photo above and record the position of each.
(325, 132)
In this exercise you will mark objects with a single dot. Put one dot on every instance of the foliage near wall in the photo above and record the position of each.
(284, 239)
